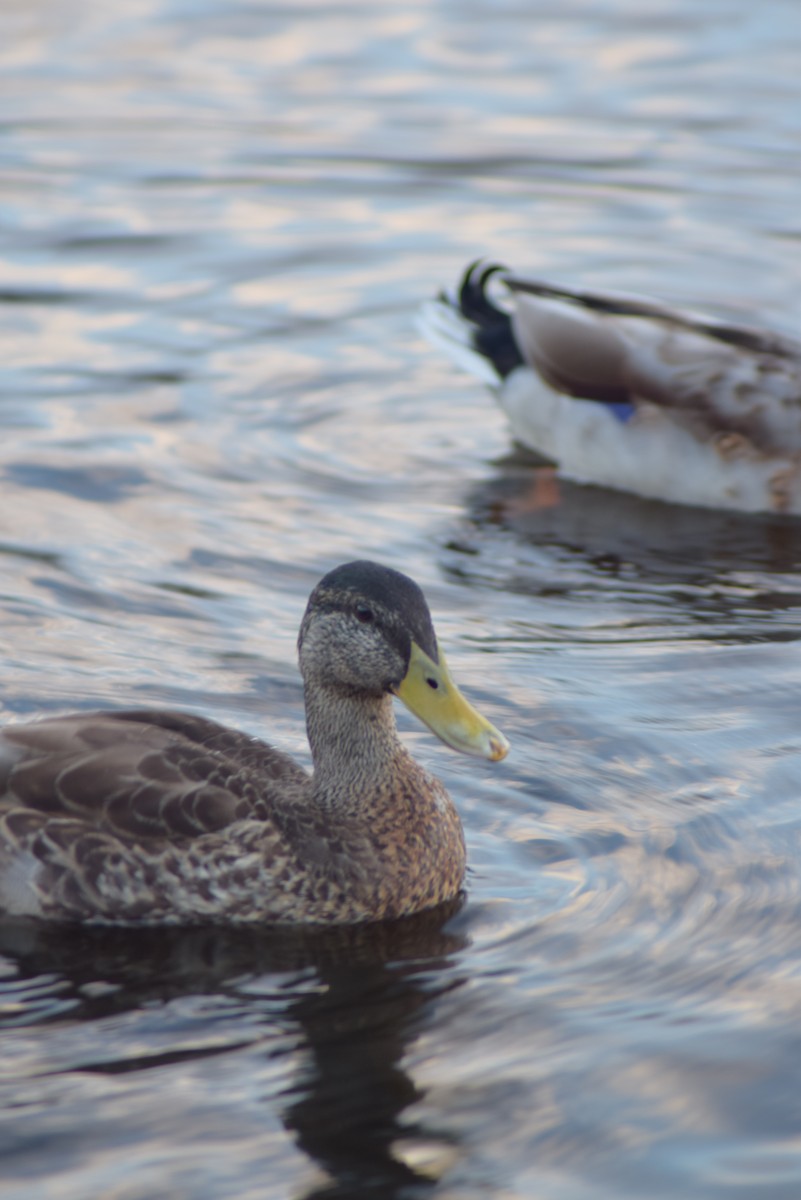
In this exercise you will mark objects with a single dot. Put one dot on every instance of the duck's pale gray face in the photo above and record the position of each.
(367, 630)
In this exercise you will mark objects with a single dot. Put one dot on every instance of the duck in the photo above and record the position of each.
(169, 818)
(629, 394)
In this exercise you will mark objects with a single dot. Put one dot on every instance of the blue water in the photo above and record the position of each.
(216, 224)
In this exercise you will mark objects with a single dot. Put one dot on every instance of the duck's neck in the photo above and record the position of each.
(354, 743)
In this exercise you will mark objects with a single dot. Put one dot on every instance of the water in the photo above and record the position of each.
(217, 223)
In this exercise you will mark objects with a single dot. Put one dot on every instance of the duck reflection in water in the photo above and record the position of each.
(352, 1095)
(523, 499)
(372, 990)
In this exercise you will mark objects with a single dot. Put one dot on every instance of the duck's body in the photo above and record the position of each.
(165, 818)
(630, 395)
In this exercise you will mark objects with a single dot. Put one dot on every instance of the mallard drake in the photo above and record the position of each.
(631, 395)
(167, 818)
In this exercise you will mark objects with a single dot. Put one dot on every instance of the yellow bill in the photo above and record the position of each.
(429, 692)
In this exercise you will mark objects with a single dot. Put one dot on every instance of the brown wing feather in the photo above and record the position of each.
(581, 357)
(759, 341)
(142, 774)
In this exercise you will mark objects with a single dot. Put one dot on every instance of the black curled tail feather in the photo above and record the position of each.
(492, 333)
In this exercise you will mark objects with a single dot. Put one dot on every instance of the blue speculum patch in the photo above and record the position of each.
(623, 411)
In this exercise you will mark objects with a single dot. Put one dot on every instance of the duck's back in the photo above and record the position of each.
(720, 378)
(139, 774)
(90, 801)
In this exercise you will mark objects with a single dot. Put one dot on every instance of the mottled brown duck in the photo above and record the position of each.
(168, 818)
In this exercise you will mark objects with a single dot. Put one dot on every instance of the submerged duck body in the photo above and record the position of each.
(629, 394)
(168, 818)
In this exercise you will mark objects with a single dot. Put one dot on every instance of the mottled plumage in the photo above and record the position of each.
(632, 395)
(163, 817)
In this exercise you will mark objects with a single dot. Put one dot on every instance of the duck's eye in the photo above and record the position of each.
(364, 614)
(432, 683)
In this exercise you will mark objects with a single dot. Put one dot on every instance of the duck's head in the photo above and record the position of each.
(367, 630)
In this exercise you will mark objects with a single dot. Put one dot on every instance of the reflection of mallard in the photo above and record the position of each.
(162, 817)
(630, 395)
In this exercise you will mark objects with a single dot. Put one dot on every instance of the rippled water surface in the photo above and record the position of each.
(217, 223)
